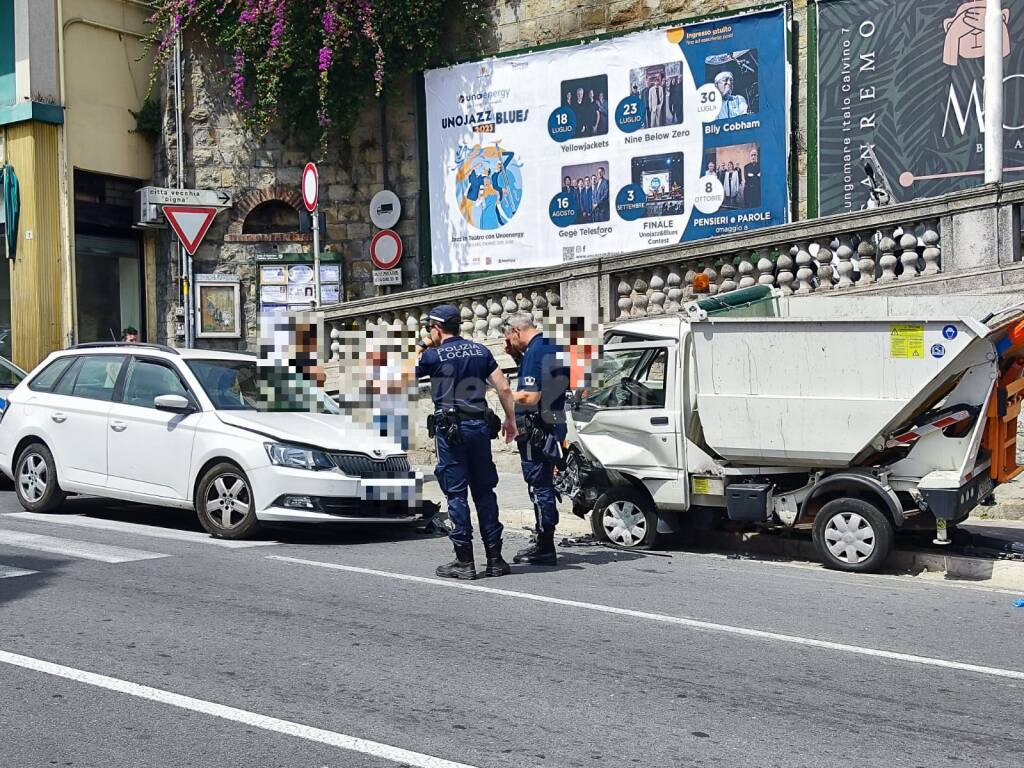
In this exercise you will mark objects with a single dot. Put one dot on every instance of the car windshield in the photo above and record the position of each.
(629, 378)
(232, 385)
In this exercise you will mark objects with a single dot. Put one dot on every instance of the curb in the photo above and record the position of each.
(905, 562)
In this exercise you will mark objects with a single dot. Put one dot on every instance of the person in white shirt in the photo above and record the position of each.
(733, 105)
(656, 105)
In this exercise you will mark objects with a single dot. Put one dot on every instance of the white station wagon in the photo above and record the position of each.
(184, 428)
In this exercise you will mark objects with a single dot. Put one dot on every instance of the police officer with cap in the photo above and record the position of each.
(540, 414)
(463, 427)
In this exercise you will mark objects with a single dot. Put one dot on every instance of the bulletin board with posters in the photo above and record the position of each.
(286, 281)
(901, 87)
(610, 146)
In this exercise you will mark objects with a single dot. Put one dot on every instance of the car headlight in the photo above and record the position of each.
(297, 457)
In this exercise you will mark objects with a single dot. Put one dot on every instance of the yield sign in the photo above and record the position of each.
(190, 223)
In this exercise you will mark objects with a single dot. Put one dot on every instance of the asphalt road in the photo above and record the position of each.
(339, 648)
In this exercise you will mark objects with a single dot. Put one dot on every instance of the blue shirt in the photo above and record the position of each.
(458, 371)
(544, 369)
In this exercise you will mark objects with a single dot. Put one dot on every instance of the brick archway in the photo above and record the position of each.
(248, 202)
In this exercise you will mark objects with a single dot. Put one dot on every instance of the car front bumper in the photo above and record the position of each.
(296, 495)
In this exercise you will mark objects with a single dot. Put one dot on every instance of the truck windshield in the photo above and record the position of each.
(232, 385)
(629, 378)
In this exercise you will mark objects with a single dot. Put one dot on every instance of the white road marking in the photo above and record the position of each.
(758, 634)
(252, 719)
(87, 550)
(9, 572)
(138, 529)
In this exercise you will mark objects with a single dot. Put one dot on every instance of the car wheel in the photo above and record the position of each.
(225, 504)
(853, 535)
(625, 518)
(35, 480)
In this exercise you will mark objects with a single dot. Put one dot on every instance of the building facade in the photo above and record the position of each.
(73, 76)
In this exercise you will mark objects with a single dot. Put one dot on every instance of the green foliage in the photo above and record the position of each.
(311, 66)
(148, 120)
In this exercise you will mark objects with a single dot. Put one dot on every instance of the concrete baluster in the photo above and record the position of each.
(641, 297)
(728, 278)
(845, 267)
(658, 296)
(866, 264)
(674, 282)
(765, 270)
(804, 272)
(625, 294)
(785, 273)
(932, 248)
(909, 256)
(825, 271)
(887, 261)
(746, 271)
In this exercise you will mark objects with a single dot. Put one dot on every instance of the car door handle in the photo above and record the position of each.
(118, 426)
(659, 421)
(60, 418)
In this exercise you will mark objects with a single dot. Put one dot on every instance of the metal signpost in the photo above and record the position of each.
(310, 198)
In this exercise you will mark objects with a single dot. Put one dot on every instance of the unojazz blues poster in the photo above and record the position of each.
(609, 147)
(901, 86)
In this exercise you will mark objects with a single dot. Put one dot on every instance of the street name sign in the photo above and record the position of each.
(387, 276)
(190, 223)
(217, 198)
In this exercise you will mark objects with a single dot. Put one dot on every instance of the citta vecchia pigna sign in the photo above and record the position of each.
(901, 85)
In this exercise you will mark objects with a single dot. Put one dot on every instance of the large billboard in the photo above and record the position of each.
(609, 147)
(901, 87)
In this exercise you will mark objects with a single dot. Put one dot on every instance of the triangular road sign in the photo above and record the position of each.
(190, 223)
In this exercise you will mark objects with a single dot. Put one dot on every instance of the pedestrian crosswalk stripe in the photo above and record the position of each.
(86, 550)
(139, 529)
(9, 571)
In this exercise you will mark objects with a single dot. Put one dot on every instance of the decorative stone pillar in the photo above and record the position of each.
(728, 278)
(658, 296)
(712, 275)
(540, 304)
(804, 272)
(845, 268)
(765, 270)
(932, 250)
(675, 290)
(746, 270)
(909, 256)
(335, 343)
(866, 262)
(467, 313)
(690, 274)
(641, 297)
(785, 274)
(887, 261)
(824, 259)
(480, 320)
(624, 291)
(494, 317)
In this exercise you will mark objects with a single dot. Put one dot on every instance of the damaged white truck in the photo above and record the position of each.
(854, 417)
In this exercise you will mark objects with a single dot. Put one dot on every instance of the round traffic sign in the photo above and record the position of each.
(386, 249)
(385, 209)
(310, 187)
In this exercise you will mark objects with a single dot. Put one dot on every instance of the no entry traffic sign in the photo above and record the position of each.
(310, 187)
(386, 249)
(190, 223)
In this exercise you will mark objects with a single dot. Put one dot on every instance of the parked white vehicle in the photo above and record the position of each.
(851, 416)
(184, 428)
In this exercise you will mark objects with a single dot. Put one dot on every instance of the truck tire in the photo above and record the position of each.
(853, 535)
(625, 518)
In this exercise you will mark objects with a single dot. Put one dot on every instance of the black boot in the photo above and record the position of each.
(462, 567)
(541, 553)
(496, 565)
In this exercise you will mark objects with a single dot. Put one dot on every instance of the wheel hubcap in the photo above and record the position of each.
(624, 523)
(850, 538)
(33, 477)
(228, 501)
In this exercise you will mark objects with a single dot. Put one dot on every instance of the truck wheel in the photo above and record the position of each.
(853, 535)
(625, 518)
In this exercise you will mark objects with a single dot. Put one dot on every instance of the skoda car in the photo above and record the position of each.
(185, 428)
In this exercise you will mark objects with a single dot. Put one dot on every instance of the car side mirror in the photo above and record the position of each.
(173, 404)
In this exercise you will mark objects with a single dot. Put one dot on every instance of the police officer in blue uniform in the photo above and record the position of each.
(540, 416)
(463, 427)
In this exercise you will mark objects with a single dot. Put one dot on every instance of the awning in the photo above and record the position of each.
(12, 206)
